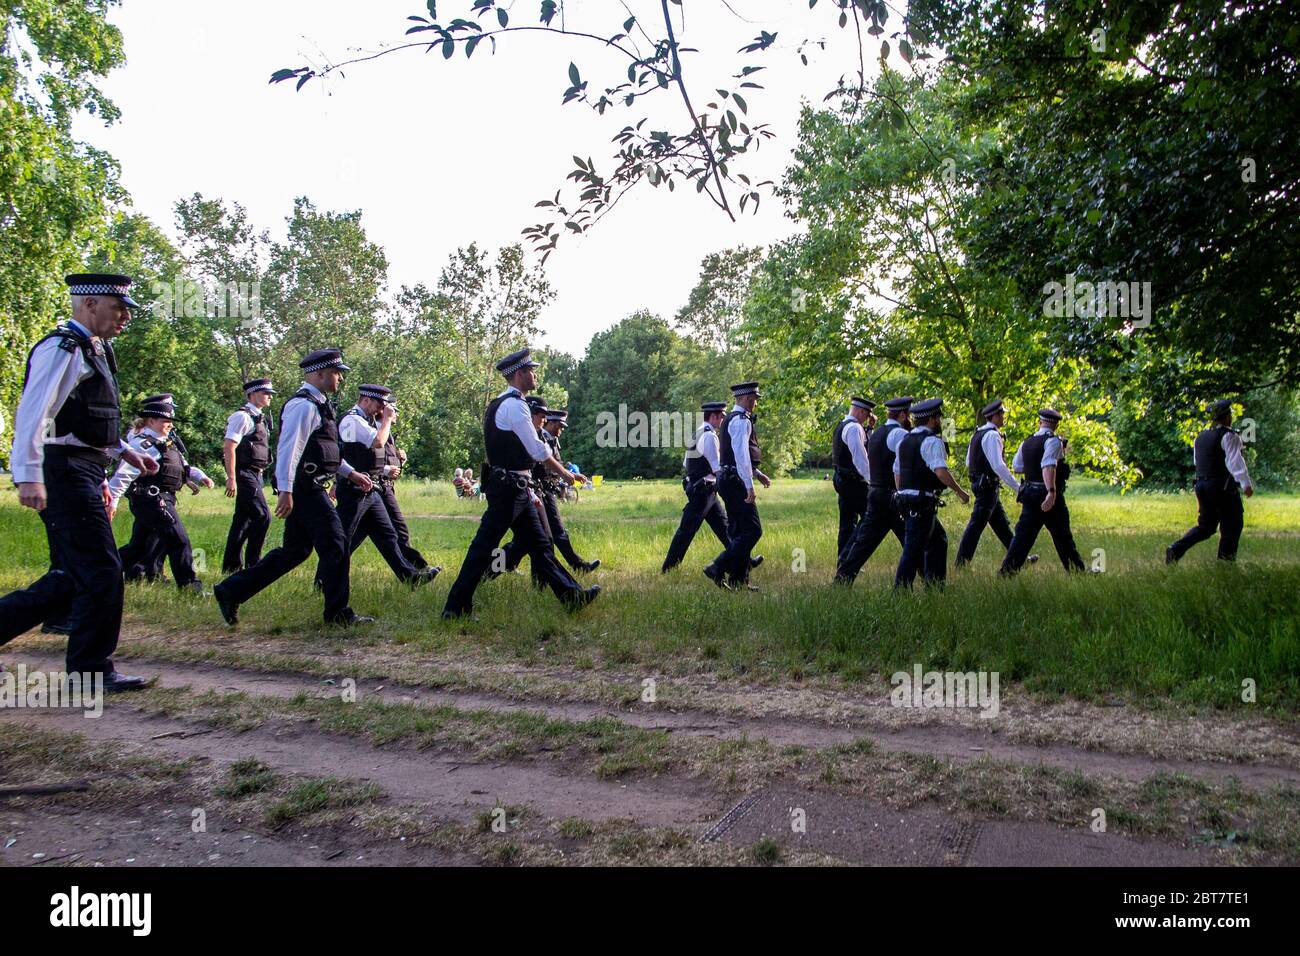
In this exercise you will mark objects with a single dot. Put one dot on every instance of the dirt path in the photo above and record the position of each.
(949, 741)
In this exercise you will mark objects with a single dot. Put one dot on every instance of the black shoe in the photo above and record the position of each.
(55, 627)
(423, 577)
(115, 683)
(194, 587)
(716, 576)
(583, 597)
(449, 615)
(755, 561)
(353, 621)
(1032, 559)
(1169, 555)
(229, 609)
(587, 566)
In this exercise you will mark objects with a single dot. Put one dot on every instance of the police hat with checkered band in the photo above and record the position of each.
(321, 359)
(101, 283)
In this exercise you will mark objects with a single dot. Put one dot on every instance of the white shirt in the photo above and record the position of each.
(894, 437)
(992, 444)
(855, 436)
(1051, 452)
(518, 418)
(1236, 462)
(707, 445)
(300, 419)
(240, 423)
(127, 473)
(356, 428)
(739, 431)
(55, 373)
(933, 454)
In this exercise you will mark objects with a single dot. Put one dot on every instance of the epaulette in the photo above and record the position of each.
(68, 343)
(146, 442)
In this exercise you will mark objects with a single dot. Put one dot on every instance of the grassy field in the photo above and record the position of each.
(1139, 631)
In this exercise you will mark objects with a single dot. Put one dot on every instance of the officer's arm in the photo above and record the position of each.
(1236, 461)
(1051, 456)
(294, 429)
(708, 447)
(993, 451)
(126, 472)
(1018, 462)
(898, 468)
(739, 432)
(237, 426)
(858, 449)
(518, 419)
(54, 374)
(934, 456)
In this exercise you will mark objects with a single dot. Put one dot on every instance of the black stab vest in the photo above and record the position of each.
(913, 473)
(254, 449)
(842, 455)
(364, 458)
(170, 475)
(980, 466)
(697, 466)
(321, 455)
(1211, 459)
(880, 459)
(391, 458)
(91, 413)
(727, 458)
(503, 447)
(1031, 456)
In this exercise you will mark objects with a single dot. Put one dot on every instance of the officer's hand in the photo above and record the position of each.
(1250, 490)
(751, 497)
(965, 498)
(145, 464)
(284, 505)
(1049, 501)
(208, 483)
(230, 487)
(765, 481)
(578, 478)
(389, 413)
(361, 479)
(31, 494)
(111, 508)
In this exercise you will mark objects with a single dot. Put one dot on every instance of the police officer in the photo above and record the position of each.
(851, 476)
(556, 420)
(1041, 459)
(512, 447)
(882, 515)
(1220, 472)
(67, 430)
(739, 458)
(158, 530)
(986, 464)
(701, 464)
(921, 473)
(246, 452)
(363, 437)
(394, 462)
(307, 460)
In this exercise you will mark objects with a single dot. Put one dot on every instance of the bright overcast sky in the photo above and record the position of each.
(437, 153)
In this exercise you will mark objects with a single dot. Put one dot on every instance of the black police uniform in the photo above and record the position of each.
(252, 518)
(548, 489)
(925, 543)
(702, 504)
(313, 523)
(986, 509)
(83, 589)
(507, 486)
(388, 493)
(850, 487)
(1032, 517)
(744, 529)
(882, 514)
(158, 532)
(1218, 498)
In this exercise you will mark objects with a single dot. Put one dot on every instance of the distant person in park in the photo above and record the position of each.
(1221, 478)
(739, 457)
(307, 461)
(364, 433)
(67, 431)
(512, 447)
(851, 471)
(158, 530)
(1041, 459)
(246, 452)
(987, 466)
(472, 485)
(458, 482)
(882, 515)
(921, 474)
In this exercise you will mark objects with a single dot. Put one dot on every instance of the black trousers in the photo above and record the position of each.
(1032, 520)
(853, 494)
(84, 589)
(157, 532)
(1218, 509)
(313, 524)
(251, 521)
(366, 516)
(987, 511)
(881, 518)
(702, 506)
(925, 543)
(744, 529)
(398, 521)
(509, 507)
(553, 525)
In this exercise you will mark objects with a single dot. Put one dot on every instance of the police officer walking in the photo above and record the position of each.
(158, 531)
(512, 447)
(1041, 459)
(701, 463)
(307, 460)
(67, 430)
(556, 420)
(1220, 472)
(394, 462)
(363, 440)
(921, 473)
(246, 452)
(986, 464)
(882, 515)
(851, 475)
(739, 458)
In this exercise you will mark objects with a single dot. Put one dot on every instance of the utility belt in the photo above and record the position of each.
(519, 480)
(1031, 486)
(309, 473)
(929, 499)
(64, 452)
(850, 476)
(982, 482)
(707, 483)
(1213, 484)
(149, 491)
